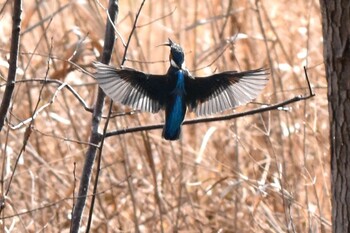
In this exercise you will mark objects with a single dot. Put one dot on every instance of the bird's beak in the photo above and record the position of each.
(168, 43)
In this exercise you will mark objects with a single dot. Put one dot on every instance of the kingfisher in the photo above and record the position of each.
(177, 90)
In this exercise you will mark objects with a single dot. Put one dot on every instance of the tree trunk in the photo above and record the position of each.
(336, 36)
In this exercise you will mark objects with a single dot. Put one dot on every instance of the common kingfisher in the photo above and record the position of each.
(178, 90)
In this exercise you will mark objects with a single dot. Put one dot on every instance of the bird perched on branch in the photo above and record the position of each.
(178, 90)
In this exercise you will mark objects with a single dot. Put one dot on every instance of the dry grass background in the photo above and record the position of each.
(263, 173)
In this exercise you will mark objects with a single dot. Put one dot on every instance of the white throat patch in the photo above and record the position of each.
(173, 64)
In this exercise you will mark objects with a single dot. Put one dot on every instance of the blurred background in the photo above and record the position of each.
(267, 172)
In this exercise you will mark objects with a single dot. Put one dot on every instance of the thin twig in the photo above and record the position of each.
(126, 165)
(65, 139)
(29, 128)
(63, 85)
(132, 31)
(52, 204)
(281, 180)
(157, 192)
(36, 112)
(47, 18)
(158, 19)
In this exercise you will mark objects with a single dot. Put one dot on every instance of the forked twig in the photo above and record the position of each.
(29, 128)
(61, 86)
(36, 112)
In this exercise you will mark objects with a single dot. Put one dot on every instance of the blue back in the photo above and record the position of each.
(176, 106)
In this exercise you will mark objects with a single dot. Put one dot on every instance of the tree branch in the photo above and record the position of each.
(113, 10)
(11, 78)
(104, 132)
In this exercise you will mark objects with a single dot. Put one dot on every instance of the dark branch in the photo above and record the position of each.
(105, 130)
(11, 78)
(95, 138)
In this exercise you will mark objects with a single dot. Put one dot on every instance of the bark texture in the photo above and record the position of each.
(336, 35)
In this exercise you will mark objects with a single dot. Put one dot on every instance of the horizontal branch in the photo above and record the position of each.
(277, 106)
(266, 108)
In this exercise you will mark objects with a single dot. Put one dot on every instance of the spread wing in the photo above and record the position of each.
(145, 92)
(223, 91)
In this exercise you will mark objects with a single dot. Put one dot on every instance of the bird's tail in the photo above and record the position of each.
(171, 133)
(174, 116)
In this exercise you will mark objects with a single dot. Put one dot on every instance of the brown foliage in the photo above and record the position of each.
(261, 173)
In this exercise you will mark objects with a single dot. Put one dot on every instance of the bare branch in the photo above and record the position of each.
(61, 86)
(95, 138)
(16, 29)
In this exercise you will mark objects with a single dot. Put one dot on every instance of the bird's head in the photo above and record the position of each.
(176, 57)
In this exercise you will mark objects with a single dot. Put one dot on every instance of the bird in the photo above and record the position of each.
(178, 91)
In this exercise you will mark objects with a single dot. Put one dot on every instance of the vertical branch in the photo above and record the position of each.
(336, 52)
(16, 28)
(99, 158)
(113, 11)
